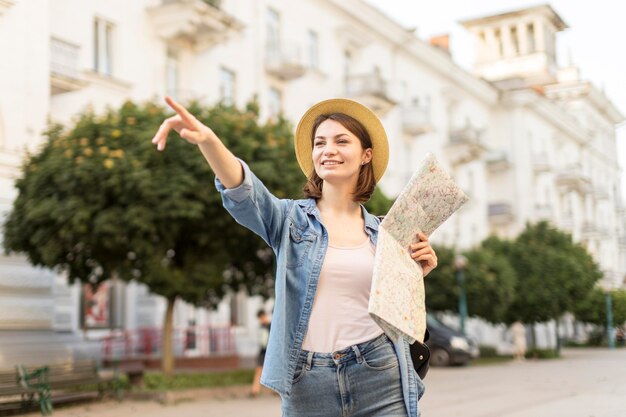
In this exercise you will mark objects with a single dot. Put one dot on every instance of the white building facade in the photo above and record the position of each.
(527, 140)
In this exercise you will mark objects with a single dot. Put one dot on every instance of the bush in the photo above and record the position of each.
(535, 353)
(488, 351)
(159, 382)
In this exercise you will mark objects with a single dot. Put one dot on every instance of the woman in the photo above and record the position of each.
(325, 356)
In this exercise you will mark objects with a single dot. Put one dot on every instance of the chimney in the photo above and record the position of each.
(442, 42)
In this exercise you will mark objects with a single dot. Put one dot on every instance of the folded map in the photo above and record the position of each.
(397, 298)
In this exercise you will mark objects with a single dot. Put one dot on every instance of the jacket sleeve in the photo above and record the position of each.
(252, 205)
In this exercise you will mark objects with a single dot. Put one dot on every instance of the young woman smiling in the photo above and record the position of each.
(325, 356)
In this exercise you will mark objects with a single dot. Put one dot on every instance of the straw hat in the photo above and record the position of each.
(380, 146)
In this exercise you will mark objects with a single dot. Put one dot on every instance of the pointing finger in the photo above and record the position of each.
(184, 114)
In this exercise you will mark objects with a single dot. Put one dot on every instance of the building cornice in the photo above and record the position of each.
(545, 109)
(544, 9)
(438, 61)
(594, 96)
(554, 115)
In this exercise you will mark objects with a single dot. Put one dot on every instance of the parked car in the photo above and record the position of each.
(448, 346)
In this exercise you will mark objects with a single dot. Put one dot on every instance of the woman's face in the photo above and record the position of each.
(337, 152)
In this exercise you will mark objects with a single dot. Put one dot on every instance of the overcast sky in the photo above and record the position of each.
(594, 40)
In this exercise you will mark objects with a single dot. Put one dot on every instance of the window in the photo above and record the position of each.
(227, 86)
(275, 102)
(347, 64)
(515, 40)
(313, 50)
(530, 37)
(273, 31)
(103, 48)
(172, 73)
(498, 37)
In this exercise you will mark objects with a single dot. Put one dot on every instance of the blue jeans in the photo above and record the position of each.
(360, 381)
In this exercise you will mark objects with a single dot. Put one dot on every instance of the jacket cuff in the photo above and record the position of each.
(242, 191)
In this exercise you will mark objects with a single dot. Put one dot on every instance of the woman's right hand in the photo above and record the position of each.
(187, 126)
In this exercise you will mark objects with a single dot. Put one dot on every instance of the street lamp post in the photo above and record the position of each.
(460, 262)
(609, 320)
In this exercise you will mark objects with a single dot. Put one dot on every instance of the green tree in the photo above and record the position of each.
(554, 273)
(592, 309)
(99, 201)
(489, 284)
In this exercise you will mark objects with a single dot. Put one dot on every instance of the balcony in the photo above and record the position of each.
(541, 163)
(544, 211)
(572, 178)
(285, 61)
(416, 120)
(371, 90)
(600, 192)
(65, 75)
(498, 161)
(198, 24)
(6, 5)
(589, 230)
(465, 145)
(500, 213)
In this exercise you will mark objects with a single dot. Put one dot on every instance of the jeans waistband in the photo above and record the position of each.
(353, 352)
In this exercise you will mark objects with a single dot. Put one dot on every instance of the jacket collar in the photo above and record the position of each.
(309, 207)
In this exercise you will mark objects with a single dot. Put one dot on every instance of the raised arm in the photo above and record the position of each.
(222, 161)
(243, 194)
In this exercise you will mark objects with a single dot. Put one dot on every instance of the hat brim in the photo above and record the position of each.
(303, 139)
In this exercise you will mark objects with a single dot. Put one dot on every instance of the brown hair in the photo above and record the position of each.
(366, 182)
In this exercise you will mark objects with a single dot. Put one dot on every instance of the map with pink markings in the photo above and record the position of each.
(397, 297)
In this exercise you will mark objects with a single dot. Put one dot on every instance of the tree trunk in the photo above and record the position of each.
(558, 338)
(534, 335)
(167, 358)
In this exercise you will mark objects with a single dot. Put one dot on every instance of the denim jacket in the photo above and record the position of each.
(294, 230)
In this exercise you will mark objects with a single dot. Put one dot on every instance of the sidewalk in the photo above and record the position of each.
(584, 383)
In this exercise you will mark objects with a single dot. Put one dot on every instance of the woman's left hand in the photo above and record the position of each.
(423, 253)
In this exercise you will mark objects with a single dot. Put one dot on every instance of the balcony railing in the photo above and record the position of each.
(285, 61)
(573, 178)
(195, 23)
(65, 74)
(465, 144)
(500, 213)
(372, 90)
(498, 161)
(541, 163)
(416, 120)
(544, 211)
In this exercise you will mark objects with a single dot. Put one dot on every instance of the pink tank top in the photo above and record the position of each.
(339, 317)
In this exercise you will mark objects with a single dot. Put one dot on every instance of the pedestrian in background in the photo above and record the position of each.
(325, 355)
(263, 337)
(519, 340)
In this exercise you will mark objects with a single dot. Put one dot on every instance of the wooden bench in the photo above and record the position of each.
(14, 395)
(66, 382)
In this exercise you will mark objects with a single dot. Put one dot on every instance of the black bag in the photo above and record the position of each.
(420, 355)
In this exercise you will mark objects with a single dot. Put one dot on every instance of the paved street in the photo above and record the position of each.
(585, 383)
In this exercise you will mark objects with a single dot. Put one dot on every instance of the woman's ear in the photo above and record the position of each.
(367, 156)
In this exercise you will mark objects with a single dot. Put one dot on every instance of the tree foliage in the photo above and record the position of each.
(592, 309)
(554, 273)
(98, 199)
(489, 284)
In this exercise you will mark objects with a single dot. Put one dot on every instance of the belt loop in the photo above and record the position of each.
(309, 361)
(357, 352)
